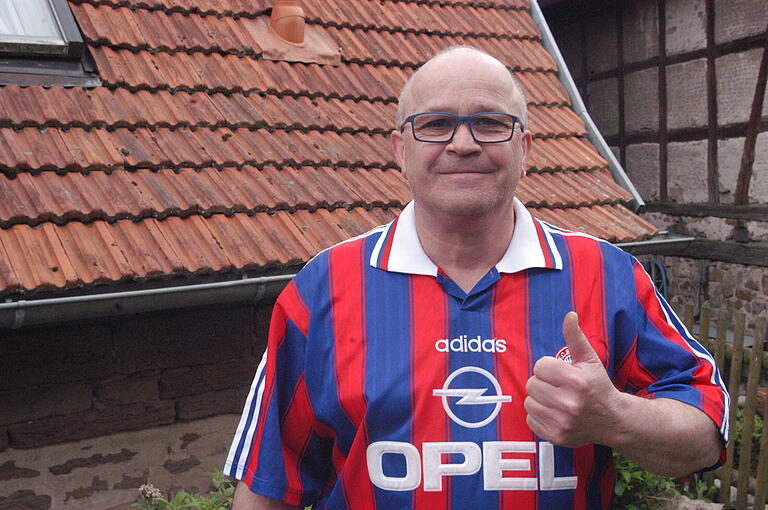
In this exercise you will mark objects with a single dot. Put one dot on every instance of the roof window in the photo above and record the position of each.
(41, 44)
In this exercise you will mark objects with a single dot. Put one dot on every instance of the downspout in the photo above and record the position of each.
(16, 314)
(548, 41)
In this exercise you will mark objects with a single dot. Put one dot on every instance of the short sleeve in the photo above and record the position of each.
(276, 450)
(666, 361)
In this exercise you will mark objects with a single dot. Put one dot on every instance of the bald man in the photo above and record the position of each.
(468, 355)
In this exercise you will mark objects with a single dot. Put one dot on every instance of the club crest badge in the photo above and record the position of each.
(565, 355)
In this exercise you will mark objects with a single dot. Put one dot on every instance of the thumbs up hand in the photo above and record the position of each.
(573, 404)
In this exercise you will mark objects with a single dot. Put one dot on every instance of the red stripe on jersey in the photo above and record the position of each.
(544, 244)
(295, 307)
(274, 342)
(608, 483)
(298, 420)
(348, 315)
(384, 257)
(429, 370)
(509, 321)
(588, 291)
(583, 468)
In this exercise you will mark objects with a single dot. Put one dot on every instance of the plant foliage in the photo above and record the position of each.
(219, 497)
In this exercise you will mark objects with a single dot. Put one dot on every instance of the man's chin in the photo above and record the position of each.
(462, 205)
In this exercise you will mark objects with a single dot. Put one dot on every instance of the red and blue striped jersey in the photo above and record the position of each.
(385, 386)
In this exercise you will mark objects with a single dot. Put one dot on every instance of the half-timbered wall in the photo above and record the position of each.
(671, 85)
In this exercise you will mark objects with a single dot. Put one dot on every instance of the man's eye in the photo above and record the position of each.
(441, 123)
(488, 122)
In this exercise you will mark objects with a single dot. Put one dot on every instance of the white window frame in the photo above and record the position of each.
(33, 44)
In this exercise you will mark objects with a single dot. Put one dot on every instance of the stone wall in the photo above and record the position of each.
(704, 283)
(656, 115)
(89, 412)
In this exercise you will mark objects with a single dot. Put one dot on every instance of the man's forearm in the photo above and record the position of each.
(577, 404)
(666, 436)
(246, 500)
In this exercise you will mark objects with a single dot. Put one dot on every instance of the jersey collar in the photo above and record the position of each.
(399, 250)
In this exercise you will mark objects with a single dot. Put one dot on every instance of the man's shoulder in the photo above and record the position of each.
(581, 244)
(317, 268)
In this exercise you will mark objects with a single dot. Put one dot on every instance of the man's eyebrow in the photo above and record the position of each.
(453, 109)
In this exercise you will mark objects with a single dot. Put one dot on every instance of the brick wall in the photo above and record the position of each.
(70, 393)
(655, 114)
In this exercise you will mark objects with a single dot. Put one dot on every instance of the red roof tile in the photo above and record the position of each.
(198, 156)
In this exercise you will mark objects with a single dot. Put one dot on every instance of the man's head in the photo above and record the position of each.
(461, 176)
(403, 102)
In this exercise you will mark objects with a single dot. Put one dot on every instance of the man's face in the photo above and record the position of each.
(462, 177)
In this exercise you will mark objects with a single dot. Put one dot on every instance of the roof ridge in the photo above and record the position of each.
(126, 4)
(155, 6)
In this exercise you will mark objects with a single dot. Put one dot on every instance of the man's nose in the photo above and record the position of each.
(463, 142)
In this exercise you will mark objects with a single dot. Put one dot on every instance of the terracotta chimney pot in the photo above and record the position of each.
(287, 21)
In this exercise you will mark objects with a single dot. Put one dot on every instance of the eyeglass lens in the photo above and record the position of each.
(487, 127)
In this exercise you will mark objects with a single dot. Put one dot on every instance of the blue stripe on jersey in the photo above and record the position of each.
(388, 319)
(622, 323)
(314, 474)
(470, 316)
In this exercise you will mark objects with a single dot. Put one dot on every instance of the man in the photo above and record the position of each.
(435, 363)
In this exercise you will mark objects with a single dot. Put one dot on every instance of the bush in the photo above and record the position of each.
(638, 489)
(218, 498)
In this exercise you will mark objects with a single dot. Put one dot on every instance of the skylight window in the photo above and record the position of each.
(31, 27)
(41, 44)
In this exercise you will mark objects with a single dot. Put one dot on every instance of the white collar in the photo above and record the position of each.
(399, 249)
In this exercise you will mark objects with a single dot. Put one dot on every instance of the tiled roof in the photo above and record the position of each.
(199, 155)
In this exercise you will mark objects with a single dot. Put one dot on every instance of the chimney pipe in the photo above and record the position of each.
(287, 21)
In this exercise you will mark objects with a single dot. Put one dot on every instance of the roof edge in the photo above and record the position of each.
(594, 135)
(662, 238)
(25, 313)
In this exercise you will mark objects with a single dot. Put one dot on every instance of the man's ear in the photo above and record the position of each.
(526, 144)
(398, 149)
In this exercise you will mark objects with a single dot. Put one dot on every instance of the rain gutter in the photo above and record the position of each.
(548, 41)
(25, 313)
(660, 239)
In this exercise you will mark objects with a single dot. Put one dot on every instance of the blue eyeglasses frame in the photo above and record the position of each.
(458, 119)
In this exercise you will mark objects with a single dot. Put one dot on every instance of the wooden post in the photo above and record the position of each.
(733, 388)
(761, 483)
(688, 318)
(663, 108)
(719, 353)
(753, 126)
(745, 455)
(713, 174)
(704, 317)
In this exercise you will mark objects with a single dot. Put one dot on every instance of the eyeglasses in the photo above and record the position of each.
(440, 127)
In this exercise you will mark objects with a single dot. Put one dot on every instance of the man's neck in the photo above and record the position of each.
(465, 247)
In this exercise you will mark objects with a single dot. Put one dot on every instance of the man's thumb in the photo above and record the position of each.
(578, 345)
